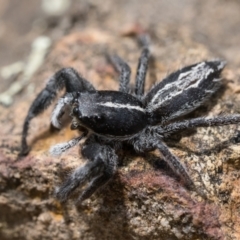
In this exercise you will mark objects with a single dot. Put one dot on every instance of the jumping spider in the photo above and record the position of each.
(107, 119)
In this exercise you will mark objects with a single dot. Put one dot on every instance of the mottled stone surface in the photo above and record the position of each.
(144, 200)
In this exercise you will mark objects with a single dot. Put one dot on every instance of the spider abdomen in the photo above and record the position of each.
(111, 113)
(183, 91)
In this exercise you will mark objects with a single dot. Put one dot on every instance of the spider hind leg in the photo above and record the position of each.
(142, 65)
(125, 72)
(149, 141)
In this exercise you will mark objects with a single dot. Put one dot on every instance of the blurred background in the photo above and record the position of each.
(214, 23)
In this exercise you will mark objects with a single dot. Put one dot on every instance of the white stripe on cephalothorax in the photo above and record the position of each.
(185, 81)
(119, 105)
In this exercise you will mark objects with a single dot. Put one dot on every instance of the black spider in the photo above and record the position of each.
(107, 119)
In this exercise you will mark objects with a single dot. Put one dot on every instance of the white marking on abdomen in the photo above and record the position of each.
(185, 81)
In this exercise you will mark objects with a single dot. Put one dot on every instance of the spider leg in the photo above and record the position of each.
(149, 142)
(94, 185)
(175, 164)
(60, 108)
(109, 160)
(142, 66)
(100, 168)
(66, 77)
(60, 148)
(124, 70)
(197, 122)
(77, 179)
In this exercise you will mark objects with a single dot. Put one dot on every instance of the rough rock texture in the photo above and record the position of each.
(144, 200)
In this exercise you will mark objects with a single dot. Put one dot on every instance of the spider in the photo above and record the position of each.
(108, 119)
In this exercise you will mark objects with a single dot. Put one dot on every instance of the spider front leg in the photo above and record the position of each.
(99, 170)
(66, 77)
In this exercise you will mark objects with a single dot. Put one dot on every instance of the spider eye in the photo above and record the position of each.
(75, 110)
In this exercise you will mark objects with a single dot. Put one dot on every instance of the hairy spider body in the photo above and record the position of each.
(109, 118)
(106, 112)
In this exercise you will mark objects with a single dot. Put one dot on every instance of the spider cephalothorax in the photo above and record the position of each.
(109, 118)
